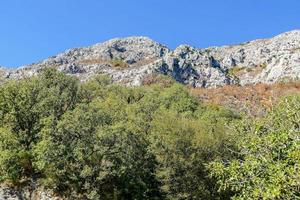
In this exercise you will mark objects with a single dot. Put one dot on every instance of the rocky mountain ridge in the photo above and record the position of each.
(131, 60)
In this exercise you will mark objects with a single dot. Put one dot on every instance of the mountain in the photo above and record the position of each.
(122, 142)
(134, 59)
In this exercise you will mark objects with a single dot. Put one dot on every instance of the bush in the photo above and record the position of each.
(118, 63)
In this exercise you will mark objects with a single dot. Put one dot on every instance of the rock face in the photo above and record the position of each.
(267, 60)
(27, 192)
(130, 60)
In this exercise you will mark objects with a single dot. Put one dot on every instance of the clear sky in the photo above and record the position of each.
(31, 30)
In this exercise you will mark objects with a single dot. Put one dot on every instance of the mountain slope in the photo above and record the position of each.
(130, 60)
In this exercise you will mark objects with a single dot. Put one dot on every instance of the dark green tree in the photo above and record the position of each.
(23, 106)
(89, 153)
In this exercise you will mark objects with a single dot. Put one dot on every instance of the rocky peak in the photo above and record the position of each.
(130, 60)
(130, 50)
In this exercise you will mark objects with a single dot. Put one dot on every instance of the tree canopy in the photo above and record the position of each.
(98, 140)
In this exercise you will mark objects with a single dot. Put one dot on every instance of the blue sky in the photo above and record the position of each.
(31, 30)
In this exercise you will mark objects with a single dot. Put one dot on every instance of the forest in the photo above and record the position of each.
(99, 140)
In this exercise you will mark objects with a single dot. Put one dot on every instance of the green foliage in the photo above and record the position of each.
(58, 92)
(266, 159)
(118, 63)
(10, 157)
(175, 141)
(95, 88)
(97, 140)
(88, 154)
(235, 71)
(23, 105)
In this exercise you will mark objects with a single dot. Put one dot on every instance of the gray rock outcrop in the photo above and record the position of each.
(28, 192)
(130, 60)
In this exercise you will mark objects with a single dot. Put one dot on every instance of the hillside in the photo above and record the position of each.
(253, 100)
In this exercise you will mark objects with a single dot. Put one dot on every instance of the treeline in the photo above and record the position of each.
(98, 140)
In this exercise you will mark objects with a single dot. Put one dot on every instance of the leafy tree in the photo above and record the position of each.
(19, 124)
(266, 156)
(97, 87)
(24, 105)
(12, 156)
(183, 146)
(176, 97)
(87, 154)
(58, 94)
